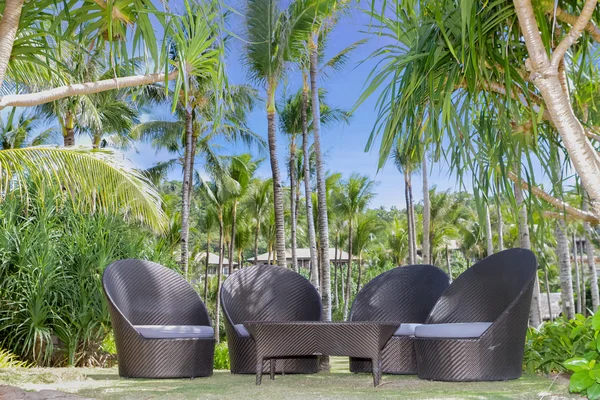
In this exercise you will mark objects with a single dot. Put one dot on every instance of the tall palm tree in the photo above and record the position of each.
(270, 33)
(357, 194)
(367, 226)
(405, 160)
(258, 200)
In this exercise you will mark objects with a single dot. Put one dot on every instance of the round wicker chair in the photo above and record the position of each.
(492, 297)
(266, 293)
(145, 295)
(403, 294)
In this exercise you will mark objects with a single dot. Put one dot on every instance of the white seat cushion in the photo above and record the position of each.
(175, 331)
(456, 330)
(406, 330)
(241, 330)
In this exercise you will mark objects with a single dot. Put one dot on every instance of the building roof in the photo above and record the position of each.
(213, 259)
(303, 254)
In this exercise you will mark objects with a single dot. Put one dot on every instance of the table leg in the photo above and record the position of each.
(376, 370)
(272, 369)
(259, 370)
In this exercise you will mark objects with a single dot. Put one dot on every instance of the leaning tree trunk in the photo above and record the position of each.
(232, 241)
(219, 275)
(535, 315)
(310, 220)
(206, 266)
(321, 189)
(564, 260)
(589, 249)
(277, 192)
(185, 196)
(544, 75)
(488, 232)
(577, 277)
(293, 202)
(411, 254)
(426, 214)
(9, 25)
(349, 272)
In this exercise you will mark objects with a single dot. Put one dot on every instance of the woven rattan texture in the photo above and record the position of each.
(406, 294)
(145, 293)
(267, 293)
(355, 339)
(497, 289)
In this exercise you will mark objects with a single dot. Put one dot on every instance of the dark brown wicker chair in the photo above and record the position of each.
(266, 293)
(403, 294)
(476, 331)
(162, 328)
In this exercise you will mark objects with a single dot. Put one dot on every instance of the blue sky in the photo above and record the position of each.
(344, 144)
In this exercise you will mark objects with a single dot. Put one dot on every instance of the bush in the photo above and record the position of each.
(9, 360)
(52, 310)
(221, 356)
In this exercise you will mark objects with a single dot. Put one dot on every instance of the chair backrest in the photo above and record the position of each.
(403, 294)
(269, 293)
(146, 293)
(484, 291)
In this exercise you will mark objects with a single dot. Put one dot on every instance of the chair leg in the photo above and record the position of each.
(376, 370)
(259, 370)
(272, 369)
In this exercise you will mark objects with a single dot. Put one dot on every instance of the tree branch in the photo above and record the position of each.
(46, 96)
(8, 31)
(570, 210)
(574, 33)
(570, 19)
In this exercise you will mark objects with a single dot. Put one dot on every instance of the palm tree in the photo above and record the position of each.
(367, 226)
(357, 194)
(258, 203)
(207, 223)
(426, 212)
(405, 161)
(17, 132)
(270, 35)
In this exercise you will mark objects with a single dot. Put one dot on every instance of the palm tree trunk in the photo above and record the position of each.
(546, 280)
(312, 241)
(360, 265)
(232, 241)
(206, 266)
(412, 218)
(544, 75)
(349, 272)
(500, 229)
(185, 196)
(535, 315)
(589, 249)
(577, 278)
(277, 192)
(293, 201)
(448, 263)
(321, 189)
(219, 276)
(411, 255)
(69, 129)
(564, 260)
(256, 234)
(8, 31)
(336, 267)
(426, 214)
(583, 283)
(488, 232)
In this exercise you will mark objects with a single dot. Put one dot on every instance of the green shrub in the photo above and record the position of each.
(586, 367)
(9, 360)
(221, 356)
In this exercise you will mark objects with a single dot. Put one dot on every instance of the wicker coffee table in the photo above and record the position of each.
(295, 339)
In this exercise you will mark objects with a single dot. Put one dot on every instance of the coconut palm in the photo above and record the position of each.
(367, 227)
(357, 193)
(17, 131)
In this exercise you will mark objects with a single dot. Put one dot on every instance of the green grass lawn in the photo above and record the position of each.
(337, 384)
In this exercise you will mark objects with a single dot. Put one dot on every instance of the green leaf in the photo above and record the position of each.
(580, 381)
(595, 374)
(596, 322)
(593, 392)
(577, 364)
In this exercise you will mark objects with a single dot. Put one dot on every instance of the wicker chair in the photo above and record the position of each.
(403, 294)
(162, 328)
(266, 293)
(476, 331)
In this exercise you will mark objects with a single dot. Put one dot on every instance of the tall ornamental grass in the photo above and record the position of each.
(52, 310)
